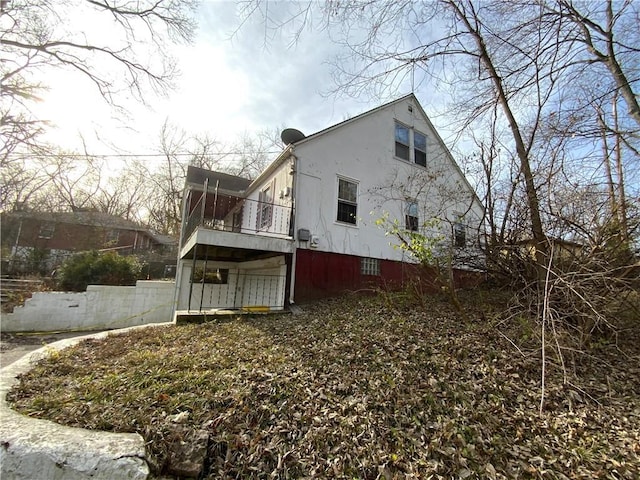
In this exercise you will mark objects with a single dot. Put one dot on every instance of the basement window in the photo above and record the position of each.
(370, 266)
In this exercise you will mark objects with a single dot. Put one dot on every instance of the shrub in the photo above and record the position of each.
(94, 268)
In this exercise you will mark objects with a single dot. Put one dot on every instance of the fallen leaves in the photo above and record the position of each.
(348, 389)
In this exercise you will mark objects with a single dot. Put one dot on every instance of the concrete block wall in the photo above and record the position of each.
(101, 307)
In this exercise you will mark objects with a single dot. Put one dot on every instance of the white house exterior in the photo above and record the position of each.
(313, 223)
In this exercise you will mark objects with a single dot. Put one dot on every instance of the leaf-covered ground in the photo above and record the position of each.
(357, 387)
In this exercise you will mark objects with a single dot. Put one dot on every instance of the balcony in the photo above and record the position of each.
(231, 228)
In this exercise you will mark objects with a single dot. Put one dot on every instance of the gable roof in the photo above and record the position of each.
(289, 149)
(313, 136)
(225, 181)
(411, 97)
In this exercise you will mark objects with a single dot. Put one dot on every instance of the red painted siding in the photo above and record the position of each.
(322, 274)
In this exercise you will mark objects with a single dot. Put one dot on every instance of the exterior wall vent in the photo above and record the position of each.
(304, 235)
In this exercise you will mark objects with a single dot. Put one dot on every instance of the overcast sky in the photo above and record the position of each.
(229, 84)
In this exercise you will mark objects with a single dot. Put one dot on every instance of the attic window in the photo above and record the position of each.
(410, 145)
(402, 142)
(410, 108)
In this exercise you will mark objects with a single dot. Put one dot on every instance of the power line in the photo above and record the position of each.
(137, 155)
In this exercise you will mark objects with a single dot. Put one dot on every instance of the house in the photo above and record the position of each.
(42, 240)
(315, 222)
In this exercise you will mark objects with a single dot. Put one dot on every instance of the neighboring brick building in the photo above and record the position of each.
(41, 240)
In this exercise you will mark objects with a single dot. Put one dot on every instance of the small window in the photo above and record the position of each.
(420, 148)
(46, 230)
(219, 276)
(370, 266)
(411, 216)
(402, 142)
(347, 201)
(112, 236)
(459, 234)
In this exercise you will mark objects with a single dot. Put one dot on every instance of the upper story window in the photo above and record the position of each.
(347, 201)
(402, 142)
(411, 216)
(46, 230)
(410, 145)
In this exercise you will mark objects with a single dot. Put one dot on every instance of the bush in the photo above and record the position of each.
(94, 268)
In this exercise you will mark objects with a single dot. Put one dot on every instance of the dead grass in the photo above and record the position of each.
(353, 388)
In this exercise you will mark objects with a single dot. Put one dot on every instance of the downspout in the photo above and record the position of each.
(294, 219)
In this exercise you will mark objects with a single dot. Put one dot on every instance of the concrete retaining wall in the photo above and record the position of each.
(101, 307)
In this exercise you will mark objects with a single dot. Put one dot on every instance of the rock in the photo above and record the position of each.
(187, 451)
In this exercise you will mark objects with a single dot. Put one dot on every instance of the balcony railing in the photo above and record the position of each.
(240, 215)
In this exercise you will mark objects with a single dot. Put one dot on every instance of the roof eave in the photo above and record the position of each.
(273, 166)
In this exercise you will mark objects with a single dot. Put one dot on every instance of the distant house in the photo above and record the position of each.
(309, 225)
(44, 239)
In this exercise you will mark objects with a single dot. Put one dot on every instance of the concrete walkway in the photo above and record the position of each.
(40, 449)
(14, 346)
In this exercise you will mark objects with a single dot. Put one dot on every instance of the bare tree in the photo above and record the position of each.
(608, 34)
(41, 36)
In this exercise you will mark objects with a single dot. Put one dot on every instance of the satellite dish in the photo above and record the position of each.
(291, 135)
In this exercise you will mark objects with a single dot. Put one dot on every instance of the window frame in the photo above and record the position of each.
(370, 266)
(265, 206)
(398, 141)
(211, 275)
(416, 149)
(46, 230)
(411, 222)
(112, 236)
(459, 233)
(347, 202)
(414, 154)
